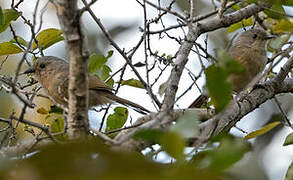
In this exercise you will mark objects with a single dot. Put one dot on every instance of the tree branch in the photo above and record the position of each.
(166, 116)
(69, 18)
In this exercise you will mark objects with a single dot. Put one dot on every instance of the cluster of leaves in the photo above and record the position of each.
(57, 122)
(92, 160)
(43, 40)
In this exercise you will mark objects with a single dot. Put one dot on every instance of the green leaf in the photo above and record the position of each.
(229, 64)
(105, 74)
(230, 151)
(57, 126)
(8, 16)
(139, 64)
(20, 40)
(42, 111)
(173, 144)
(187, 125)
(219, 88)
(1, 17)
(150, 135)
(96, 62)
(263, 130)
(289, 174)
(117, 119)
(7, 48)
(132, 82)
(276, 11)
(289, 140)
(48, 37)
(280, 2)
(287, 2)
(236, 26)
(55, 109)
(283, 26)
(162, 88)
(276, 43)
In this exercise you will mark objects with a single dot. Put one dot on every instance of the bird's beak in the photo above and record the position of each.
(28, 71)
(270, 37)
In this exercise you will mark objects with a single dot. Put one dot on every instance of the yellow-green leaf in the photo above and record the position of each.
(263, 130)
(132, 82)
(48, 37)
(20, 40)
(117, 119)
(283, 26)
(276, 11)
(289, 174)
(236, 26)
(1, 17)
(173, 144)
(7, 48)
(57, 126)
(289, 140)
(42, 111)
(8, 16)
(163, 88)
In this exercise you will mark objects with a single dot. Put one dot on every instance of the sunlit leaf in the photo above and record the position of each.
(96, 62)
(48, 37)
(117, 119)
(105, 74)
(20, 40)
(263, 130)
(132, 82)
(57, 126)
(8, 16)
(7, 48)
(289, 174)
(42, 111)
(289, 140)
(282, 26)
(236, 26)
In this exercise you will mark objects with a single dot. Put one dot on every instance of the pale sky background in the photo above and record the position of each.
(276, 158)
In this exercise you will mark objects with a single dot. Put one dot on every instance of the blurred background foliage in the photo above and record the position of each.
(226, 157)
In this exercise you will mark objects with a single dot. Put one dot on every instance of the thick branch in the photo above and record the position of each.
(69, 19)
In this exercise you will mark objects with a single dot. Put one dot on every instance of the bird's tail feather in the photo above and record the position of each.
(125, 102)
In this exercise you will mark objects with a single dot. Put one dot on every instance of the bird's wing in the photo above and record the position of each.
(97, 84)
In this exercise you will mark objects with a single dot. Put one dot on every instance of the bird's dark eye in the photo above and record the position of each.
(42, 66)
(254, 36)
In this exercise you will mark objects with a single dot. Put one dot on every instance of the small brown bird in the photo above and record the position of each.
(249, 50)
(52, 73)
